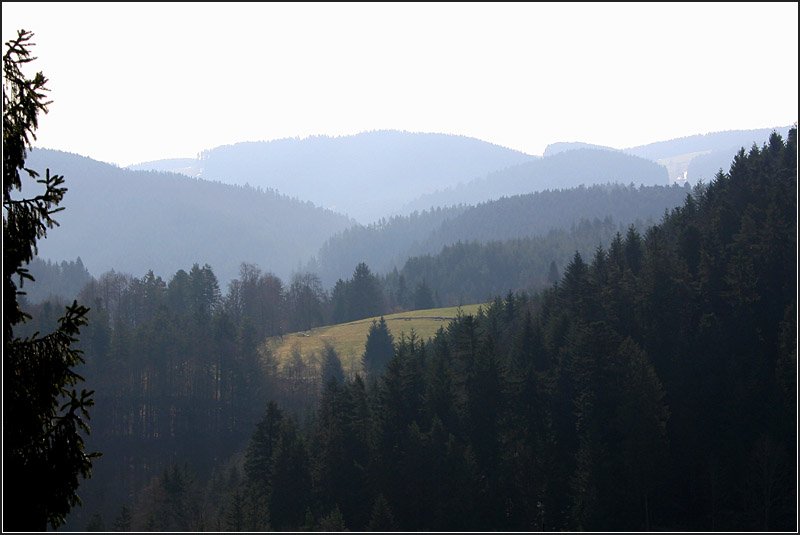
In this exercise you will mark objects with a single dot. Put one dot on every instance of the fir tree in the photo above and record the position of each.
(44, 414)
(378, 350)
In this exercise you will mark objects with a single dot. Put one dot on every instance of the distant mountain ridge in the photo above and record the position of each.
(388, 172)
(700, 157)
(134, 221)
(565, 169)
(170, 220)
(689, 158)
(706, 142)
(563, 146)
(386, 168)
(387, 245)
(185, 166)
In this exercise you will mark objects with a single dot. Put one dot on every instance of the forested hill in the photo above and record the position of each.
(653, 388)
(382, 245)
(135, 221)
(563, 146)
(185, 166)
(388, 244)
(700, 157)
(562, 170)
(691, 158)
(714, 141)
(367, 176)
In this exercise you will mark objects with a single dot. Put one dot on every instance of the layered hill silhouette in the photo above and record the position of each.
(567, 169)
(452, 189)
(366, 176)
(135, 221)
(690, 158)
(700, 157)
(383, 173)
(387, 244)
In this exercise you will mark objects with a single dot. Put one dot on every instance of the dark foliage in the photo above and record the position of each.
(44, 415)
(650, 389)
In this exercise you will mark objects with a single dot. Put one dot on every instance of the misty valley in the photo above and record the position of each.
(587, 340)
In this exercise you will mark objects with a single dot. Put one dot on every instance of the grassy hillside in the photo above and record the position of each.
(349, 338)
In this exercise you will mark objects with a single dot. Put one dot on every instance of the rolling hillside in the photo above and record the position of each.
(134, 221)
(562, 170)
(388, 245)
(367, 176)
(349, 338)
(699, 157)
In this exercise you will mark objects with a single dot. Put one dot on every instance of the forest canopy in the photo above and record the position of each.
(647, 385)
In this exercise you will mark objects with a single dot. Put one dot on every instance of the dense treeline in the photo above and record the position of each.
(473, 272)
(521, 216)
(387, 244)
(559, 171)
(173, 360)
(176, 374)
(54, 280)
(652, 388)
(381, 245)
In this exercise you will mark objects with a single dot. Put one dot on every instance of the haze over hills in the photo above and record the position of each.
(563, 146)
(185, 166)
(171, 221)
(699, 157)
(367, 175)
(691, 158)
(706, 142)
(642, 283)
(387, 245)
(382, 173)
(561, 170)
(135, 221)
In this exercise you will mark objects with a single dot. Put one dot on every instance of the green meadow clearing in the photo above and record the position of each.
(349, 338)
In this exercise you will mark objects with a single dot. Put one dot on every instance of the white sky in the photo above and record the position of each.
(137, 82)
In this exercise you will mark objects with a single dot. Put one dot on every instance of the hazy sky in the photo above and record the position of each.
(137, 82)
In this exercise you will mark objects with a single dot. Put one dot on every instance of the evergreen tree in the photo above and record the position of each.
(291, 480)
(423, 298)
(123, 520)
(260, 465)
(401, 295)
(331, 366)
(96, 523)
(440, 394)
(633, 249)
(329, 464)
(382, 518)
(304, 302)
(44, 415)
(552, 273)
(365, 297)
(340, 302)
(378, 349)
(234, 516)
(333, 521)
